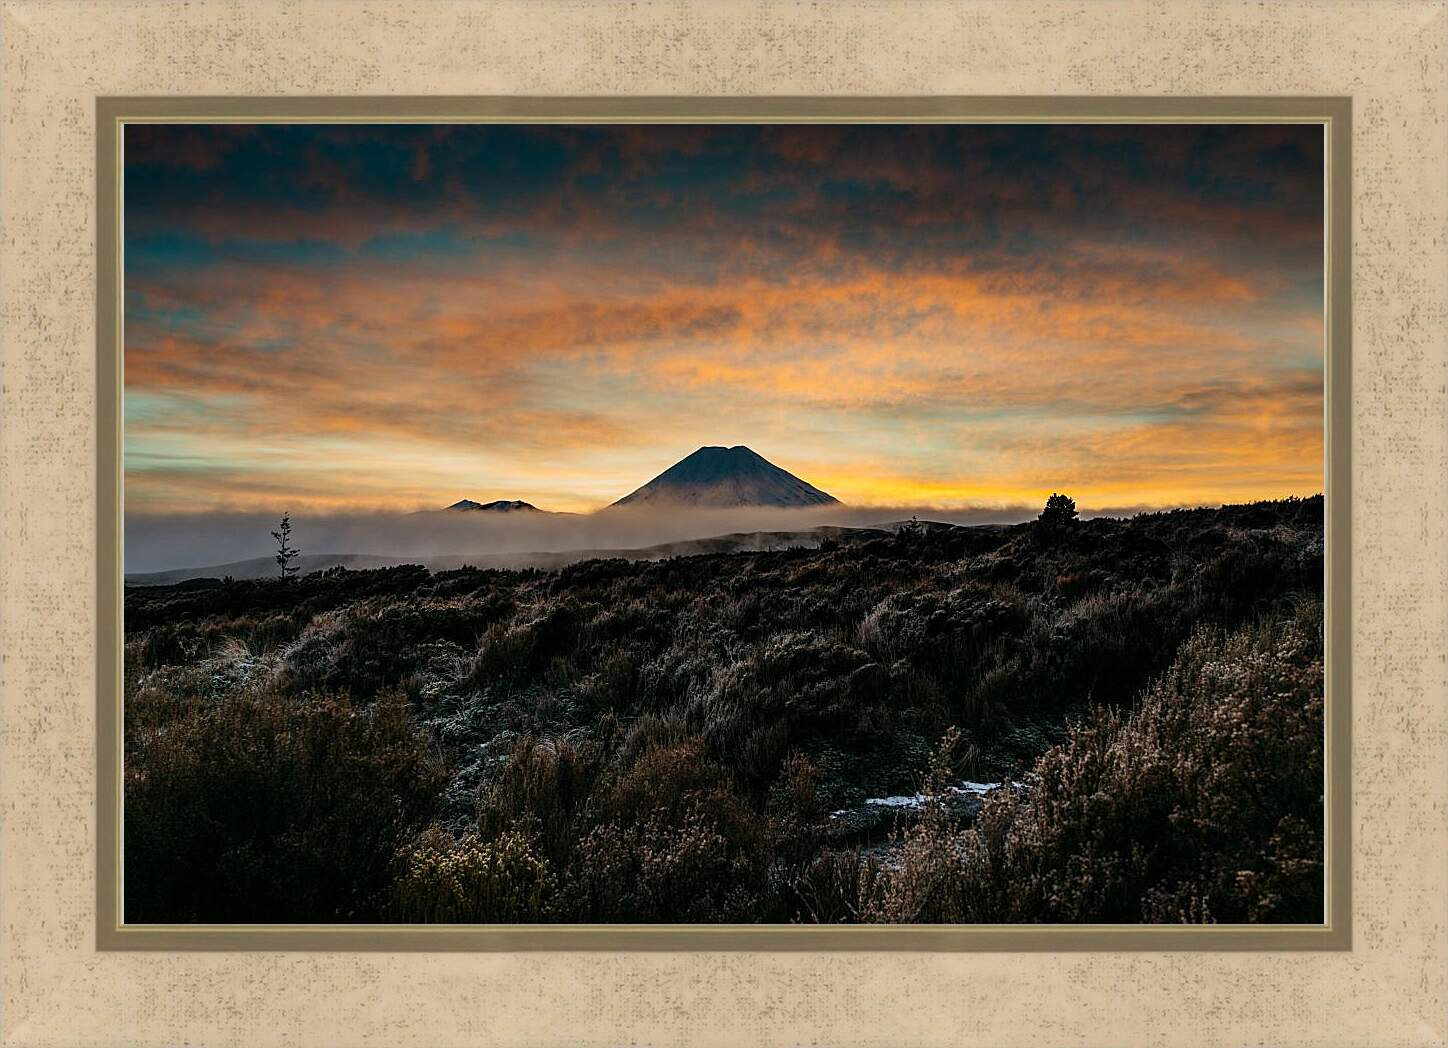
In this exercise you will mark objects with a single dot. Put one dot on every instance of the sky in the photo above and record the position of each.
(363, 318)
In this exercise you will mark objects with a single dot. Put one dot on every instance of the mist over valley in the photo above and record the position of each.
(714, 500)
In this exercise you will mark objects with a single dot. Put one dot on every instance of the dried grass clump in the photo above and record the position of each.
(468, 881)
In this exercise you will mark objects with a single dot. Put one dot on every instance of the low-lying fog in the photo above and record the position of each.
(161, 543)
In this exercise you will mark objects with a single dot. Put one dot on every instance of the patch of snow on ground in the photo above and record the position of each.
(916, 800)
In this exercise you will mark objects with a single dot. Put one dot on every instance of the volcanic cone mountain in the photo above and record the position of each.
(715, 477)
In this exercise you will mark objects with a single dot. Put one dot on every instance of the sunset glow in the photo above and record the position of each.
(397, 317)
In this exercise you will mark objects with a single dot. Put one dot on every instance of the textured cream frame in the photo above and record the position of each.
(58, 57)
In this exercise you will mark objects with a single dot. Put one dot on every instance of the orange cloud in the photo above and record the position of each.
(907, 329)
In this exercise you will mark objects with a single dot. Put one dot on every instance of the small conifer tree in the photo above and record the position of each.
(286, 552)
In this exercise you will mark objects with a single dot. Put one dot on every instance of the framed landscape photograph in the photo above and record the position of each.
(747, 523)
(695, 521)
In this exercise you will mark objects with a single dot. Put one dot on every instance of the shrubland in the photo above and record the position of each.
(665, 741)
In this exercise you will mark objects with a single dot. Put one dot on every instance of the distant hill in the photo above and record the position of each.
(499, 506)
(737, 542)
(726, 478)
(260, 568)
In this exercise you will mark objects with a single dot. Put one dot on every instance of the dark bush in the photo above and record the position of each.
(259, 808)
(542, 792)
(1204, 804)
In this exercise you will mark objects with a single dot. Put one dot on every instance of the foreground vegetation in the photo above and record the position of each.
(666, 741)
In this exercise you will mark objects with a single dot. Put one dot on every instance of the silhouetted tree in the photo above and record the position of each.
(286, 553)
(911, 531)
(1060, 510)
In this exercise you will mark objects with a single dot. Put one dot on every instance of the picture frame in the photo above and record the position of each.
(1334, 115)
(68, 968)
